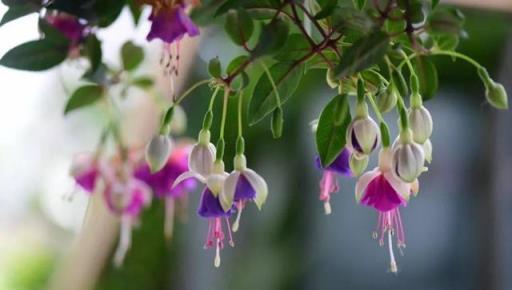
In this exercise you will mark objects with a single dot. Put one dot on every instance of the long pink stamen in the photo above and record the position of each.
(390, 223)
(230, 235)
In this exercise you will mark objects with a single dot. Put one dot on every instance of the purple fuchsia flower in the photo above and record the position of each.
(71, 27)
(383, 191)
(171, 23)
(241, 186)
(329, 183)
(161, 182)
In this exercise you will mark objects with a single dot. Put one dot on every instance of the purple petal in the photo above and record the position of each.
(355, 142)
(380, 195)
(68, 25)
(244, 190)
(171, 25)
(210, 206)
(340, 165)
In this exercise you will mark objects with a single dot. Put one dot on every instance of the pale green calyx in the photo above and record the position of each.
(420, 122)
(240, 162)
(361, 110)
(358, 164)
(204, 137)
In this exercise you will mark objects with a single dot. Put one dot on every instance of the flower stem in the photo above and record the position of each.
(457, 55)
(274, 87)
(191, 89)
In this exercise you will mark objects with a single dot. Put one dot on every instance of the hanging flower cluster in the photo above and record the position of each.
(376, 56)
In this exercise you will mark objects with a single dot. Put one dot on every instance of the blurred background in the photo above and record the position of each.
(458, 229)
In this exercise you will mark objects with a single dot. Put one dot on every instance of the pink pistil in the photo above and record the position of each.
(328, 185)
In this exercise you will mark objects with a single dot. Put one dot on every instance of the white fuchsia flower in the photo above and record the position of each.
(363, 135)
(200, 160)
(383, 191)
(421, 124)
(241, 186)
(408, 158)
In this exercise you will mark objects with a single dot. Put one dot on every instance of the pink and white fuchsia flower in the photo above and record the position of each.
(383, 191)
(241, 186)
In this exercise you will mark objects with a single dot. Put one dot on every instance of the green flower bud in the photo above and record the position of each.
(157, 152)
(358, 165)
(277, 123)
(387, 99)
(496, 95)
(421, 124)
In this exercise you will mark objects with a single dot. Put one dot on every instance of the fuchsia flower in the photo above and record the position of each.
(71, 27)
(385, 192)
(170, 24)
(161, 182)
(85, 171)
(329, 183)
(241, 186)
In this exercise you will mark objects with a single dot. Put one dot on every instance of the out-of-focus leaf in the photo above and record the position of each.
(326, 8)
(295, 47)
(236, 63)
(135, 10)
(53, 35)
(286, 77)
(239, 26)
(273, 36)
(427, 75)
(131, 55)
(359, 4)
(35, 55)
(400, 84)
(332, 125)
(214, 67)
(363, 54)
(352, 22)
(16, 11)
(84, 96)
(107, 11)
(93, 52)
(143, 82)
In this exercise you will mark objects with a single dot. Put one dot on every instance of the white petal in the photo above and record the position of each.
(402, 188)
(227, 194)
(363, 182)
(201, 159)
(259, 185)
(187, 175)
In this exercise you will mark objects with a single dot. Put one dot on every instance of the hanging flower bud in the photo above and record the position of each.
(157, 152)
(363, 135)
(202, 155)
(387, 99)
(421, 124)
(331, 81)
(85, 170)
(358, 165)
(496, 95)
(408, 158)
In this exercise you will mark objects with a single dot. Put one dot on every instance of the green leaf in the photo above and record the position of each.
(107, 11)
(239, 26)
(359, 4)
(326, 8)
(272, 37)
(135, 10)
(347, 20)
(131, 55)
(143, 82)
(363, 54)
(84, 96)
(286, 77)
(53, 35)
(17, 11)
(427, 76)
(214, 68)
(236, 63)
(93, 52)
(332, 125)
(35, 55)
(295, 48)
(434, 3)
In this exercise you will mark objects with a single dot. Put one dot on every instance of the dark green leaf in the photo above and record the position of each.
(434, 3)
(99, 76)
(135, 10)
(214, 68)
(347, 20)
(84, 96)
(400, 84)
(295, 48)
(332, 125)
(446, 41)
(273, 36)
(427, 76)
(35, 55)
(143, 82)
(363, 54)
(132, 55)
(53, 35)
(326, 8)
(93, 52)
(286, 77)
(359, 4)
(18, 11)
(107, 11)
(239, 26)
(236, 63)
